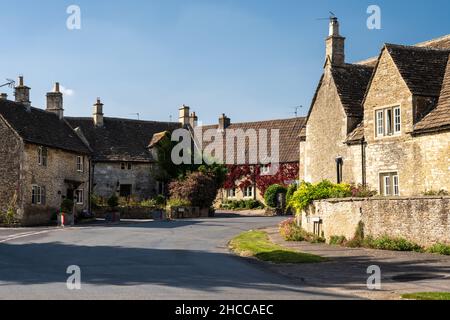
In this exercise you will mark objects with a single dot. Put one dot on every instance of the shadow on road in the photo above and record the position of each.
(30, 264)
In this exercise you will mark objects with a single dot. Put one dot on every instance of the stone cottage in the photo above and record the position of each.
(122, 164)
(42, 159)
(384, 122)
(248, 179)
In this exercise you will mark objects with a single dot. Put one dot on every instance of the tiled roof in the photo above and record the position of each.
(40, 127)
(423, 69)
(157, 137)
(351, 81)
(442, 43)
(121, 139)
(357, 135)
(439, 118)
(289, 130)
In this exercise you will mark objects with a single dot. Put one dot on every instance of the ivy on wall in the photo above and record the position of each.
(243, 176)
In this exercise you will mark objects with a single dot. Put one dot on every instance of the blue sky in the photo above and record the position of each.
(252, 59)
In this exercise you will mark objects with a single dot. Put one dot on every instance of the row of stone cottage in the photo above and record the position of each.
(383, 122)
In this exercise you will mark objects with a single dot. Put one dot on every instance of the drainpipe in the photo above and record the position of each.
(91, 181)
(363, 163)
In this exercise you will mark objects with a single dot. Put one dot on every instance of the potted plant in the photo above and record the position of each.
(114, 214)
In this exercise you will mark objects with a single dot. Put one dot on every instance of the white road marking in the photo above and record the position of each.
(24, 235)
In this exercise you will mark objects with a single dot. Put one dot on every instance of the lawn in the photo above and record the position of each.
(427, 296)
(257, 244)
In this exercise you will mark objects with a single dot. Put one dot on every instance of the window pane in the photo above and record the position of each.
(389, 122)
(387, 186)
(396, 186)
(380, 123)
(397, 120)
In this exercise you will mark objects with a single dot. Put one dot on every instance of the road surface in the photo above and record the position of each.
(153, 260)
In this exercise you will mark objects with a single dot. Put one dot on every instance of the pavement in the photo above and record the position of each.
(346, 270)
(186, 259)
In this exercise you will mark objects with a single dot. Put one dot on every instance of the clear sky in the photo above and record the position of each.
(250, 59)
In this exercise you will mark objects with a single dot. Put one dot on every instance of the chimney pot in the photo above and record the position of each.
(98, 113)
(335, 44)
(184, 118)
(22, 93)
(224, 122)
(55, 102)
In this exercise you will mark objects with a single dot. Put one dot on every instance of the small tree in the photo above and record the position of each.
(113, 202)
(199, 189)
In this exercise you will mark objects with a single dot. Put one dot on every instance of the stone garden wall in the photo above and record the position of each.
(423, 220)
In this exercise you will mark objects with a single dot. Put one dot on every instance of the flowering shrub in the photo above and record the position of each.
(290, 231)
(362, 191)
(307, 193)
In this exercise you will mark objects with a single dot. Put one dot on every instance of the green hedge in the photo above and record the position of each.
(237, 205)
(270, 197)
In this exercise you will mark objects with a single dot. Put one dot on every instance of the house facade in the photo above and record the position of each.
(387, 119)
(248, 174)
(122, 163)
(43, 160)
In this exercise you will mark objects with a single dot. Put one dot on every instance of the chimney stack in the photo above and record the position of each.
(55, 102)
(224, 122)
(184, 117)
(335, 44)
(193, 120)
(4, 96)
(22, 93)
(98, 113)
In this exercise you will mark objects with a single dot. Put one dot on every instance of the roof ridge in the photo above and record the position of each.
(262, 121)
(419, 45)
(123, 119)
(409, 47)
(428, 42)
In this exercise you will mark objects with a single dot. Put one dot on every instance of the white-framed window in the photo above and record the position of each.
(397, 120)
(80, 164)
(249, 192)
(389, 184)
(79, 196)
(388, 121)
(38, 195)
(380, 123)
(43, 156)
(265, 170)
(231, 193)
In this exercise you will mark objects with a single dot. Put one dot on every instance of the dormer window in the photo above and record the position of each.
(388, 122)
(42, 156)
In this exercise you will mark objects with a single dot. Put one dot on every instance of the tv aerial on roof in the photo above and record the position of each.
(10, 83)
(332, 16)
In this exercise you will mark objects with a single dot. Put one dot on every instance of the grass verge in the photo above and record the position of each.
(428, 296)
(257, 244)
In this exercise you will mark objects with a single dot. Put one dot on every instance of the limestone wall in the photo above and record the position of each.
(10, 150)
(107, 176)
(422, 162)
(423, 220)
(327, 129)
(56, 177)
